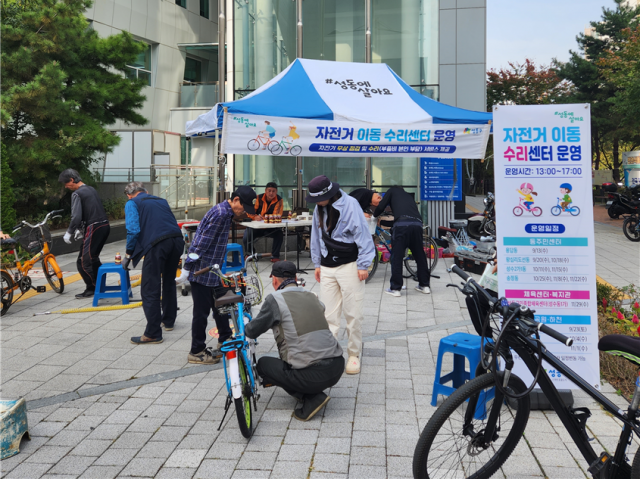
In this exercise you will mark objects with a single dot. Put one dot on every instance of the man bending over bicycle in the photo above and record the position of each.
(310, 357)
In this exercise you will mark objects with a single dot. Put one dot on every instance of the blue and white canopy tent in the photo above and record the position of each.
(324, 108)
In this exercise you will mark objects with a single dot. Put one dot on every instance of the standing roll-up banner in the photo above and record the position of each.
(544, 219)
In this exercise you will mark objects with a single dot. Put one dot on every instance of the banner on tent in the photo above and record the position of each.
(542, 166)
(277, 136)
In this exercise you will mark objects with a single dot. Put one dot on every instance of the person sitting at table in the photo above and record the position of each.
(268, 203)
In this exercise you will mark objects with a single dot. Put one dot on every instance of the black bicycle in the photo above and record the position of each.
(476, 429)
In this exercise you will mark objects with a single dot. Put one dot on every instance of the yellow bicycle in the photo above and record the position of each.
(15, 276)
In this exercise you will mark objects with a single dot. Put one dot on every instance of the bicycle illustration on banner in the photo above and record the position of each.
(266, 139)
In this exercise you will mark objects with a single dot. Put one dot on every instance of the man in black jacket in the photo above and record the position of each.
(89, 221)
(407, 233)
(153, 233)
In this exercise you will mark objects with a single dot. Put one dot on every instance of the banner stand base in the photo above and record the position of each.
(539, 401)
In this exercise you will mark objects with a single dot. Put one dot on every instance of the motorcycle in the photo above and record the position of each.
(631, 227)
(619, 204)
(484, 224)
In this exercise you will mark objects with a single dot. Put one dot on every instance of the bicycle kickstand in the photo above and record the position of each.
(227, 404)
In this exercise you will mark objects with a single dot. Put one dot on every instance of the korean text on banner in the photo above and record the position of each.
(546, 246)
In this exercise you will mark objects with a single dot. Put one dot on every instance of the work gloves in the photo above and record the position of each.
(126, 261)
(67, 238)
(78, 236)
(184, 276)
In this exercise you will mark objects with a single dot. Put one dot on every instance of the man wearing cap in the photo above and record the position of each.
(210, 246)
(310, 356)
(268, 203)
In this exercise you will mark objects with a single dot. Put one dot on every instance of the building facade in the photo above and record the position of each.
(437, 46)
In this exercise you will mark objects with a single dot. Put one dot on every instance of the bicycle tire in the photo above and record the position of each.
(275, 148)
(253, 145)
(432, 246)
(57, 284)
(556, 210)
(374, 266)
(517, 211)
(461, 442)
(295, 150)
(410, 263)
(575, 211)
(7, 291)
(537, 211)
(243, 404)
(629, 228)
(635, 468)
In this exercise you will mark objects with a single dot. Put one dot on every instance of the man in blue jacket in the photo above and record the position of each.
(153, 233)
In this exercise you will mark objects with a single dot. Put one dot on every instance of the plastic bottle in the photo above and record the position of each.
(118, 258)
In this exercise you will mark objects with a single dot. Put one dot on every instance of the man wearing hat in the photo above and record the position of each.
(268, 203)
(342, 251)
(210, 246)
(310, 356)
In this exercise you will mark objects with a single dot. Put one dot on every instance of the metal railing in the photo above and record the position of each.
(182, 186)
(198, 94)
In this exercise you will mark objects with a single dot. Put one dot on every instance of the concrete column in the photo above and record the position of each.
(264, 39)
(410, 64)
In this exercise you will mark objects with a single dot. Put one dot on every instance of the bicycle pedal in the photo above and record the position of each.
(41, 289)
(599, 464)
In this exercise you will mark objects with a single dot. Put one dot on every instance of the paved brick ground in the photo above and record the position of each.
(77, 371)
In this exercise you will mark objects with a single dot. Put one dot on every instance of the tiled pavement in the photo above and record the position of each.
(167, 427)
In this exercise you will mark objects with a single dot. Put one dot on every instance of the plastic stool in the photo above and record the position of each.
(237, 258)
(122, 291)
(462, 345)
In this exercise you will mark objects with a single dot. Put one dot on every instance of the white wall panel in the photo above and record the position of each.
(139, 19)
(445, 4)
(104, 11)
(147, 106)
(470, 43)
(142, 149)
(448, 84)
(90, 12)
(102, 29)
(164, 68)
(154, 15)
(472, 3)
(193, 6)
(168, 23)
(163, 101)
(447, 37)
(471, 87)
(194, 26)
(208, 30)
(179, 61)
(183, 30)
(122, 14)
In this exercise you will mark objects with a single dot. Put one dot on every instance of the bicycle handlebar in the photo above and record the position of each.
(202, 271)
(554, 334)
(468, 279)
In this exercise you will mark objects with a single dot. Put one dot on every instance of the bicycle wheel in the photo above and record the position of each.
(556, 210)
(635, 469)
(49, 266)
(410, 265)
(243, 404)
(295, 150)
(374, 266)
(630, 228)
(575, 211)
(253, 145)
(275, 148)
(433, 248)
(518, 211)
(452, 446)
(536, 211)
(7, 291)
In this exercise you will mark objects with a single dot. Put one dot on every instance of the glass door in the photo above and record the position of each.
(257, 171)
(349, 172)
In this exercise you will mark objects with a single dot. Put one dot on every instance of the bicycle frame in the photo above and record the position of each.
(240, 346)
(568, 209)
(577, 430)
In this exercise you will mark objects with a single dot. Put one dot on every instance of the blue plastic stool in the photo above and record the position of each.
(462, 345)
(237, 258)
(123, 291)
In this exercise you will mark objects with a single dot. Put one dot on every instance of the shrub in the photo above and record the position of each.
(115, 208)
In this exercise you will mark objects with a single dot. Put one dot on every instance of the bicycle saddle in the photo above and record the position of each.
(8, 242)
(619, 345)
(229, 298)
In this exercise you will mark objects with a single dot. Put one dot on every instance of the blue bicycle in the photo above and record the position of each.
(239, 352)
(556, 210)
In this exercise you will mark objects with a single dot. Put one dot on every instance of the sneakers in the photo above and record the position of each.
(87, 293)
(275, 260)
(393, 292)
(311, 406)
(353, 365)
(423, 289)
(166, 328)
(144, 340)
(207, 356)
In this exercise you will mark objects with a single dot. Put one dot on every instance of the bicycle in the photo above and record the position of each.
(631, 227)
(239, 352)
(556, 210)
(258, 140)
(520, 209)
(384, 238)
(276, 147)
(475, 430)
(35, 239)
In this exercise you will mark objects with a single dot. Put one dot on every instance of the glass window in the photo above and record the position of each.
(334, 30)
(193, 70)
(181, 3)
(387, 172)
(204, 8)
(404, 35)
(264, 41)
(257, 171)
(348, 171)
(141, 66)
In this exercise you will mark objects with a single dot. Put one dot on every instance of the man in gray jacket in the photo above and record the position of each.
(310, 357)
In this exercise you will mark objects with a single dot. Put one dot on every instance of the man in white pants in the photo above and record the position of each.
(342, 250)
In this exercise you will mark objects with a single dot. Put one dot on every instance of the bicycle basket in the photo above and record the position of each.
(34, 239)
(253, 291)
(478, 308)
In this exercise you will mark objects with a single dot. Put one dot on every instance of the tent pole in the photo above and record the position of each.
(367, 31)
(299, 29)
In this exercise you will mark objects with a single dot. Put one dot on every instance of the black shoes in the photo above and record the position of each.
(87, 293)
(311, 406)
